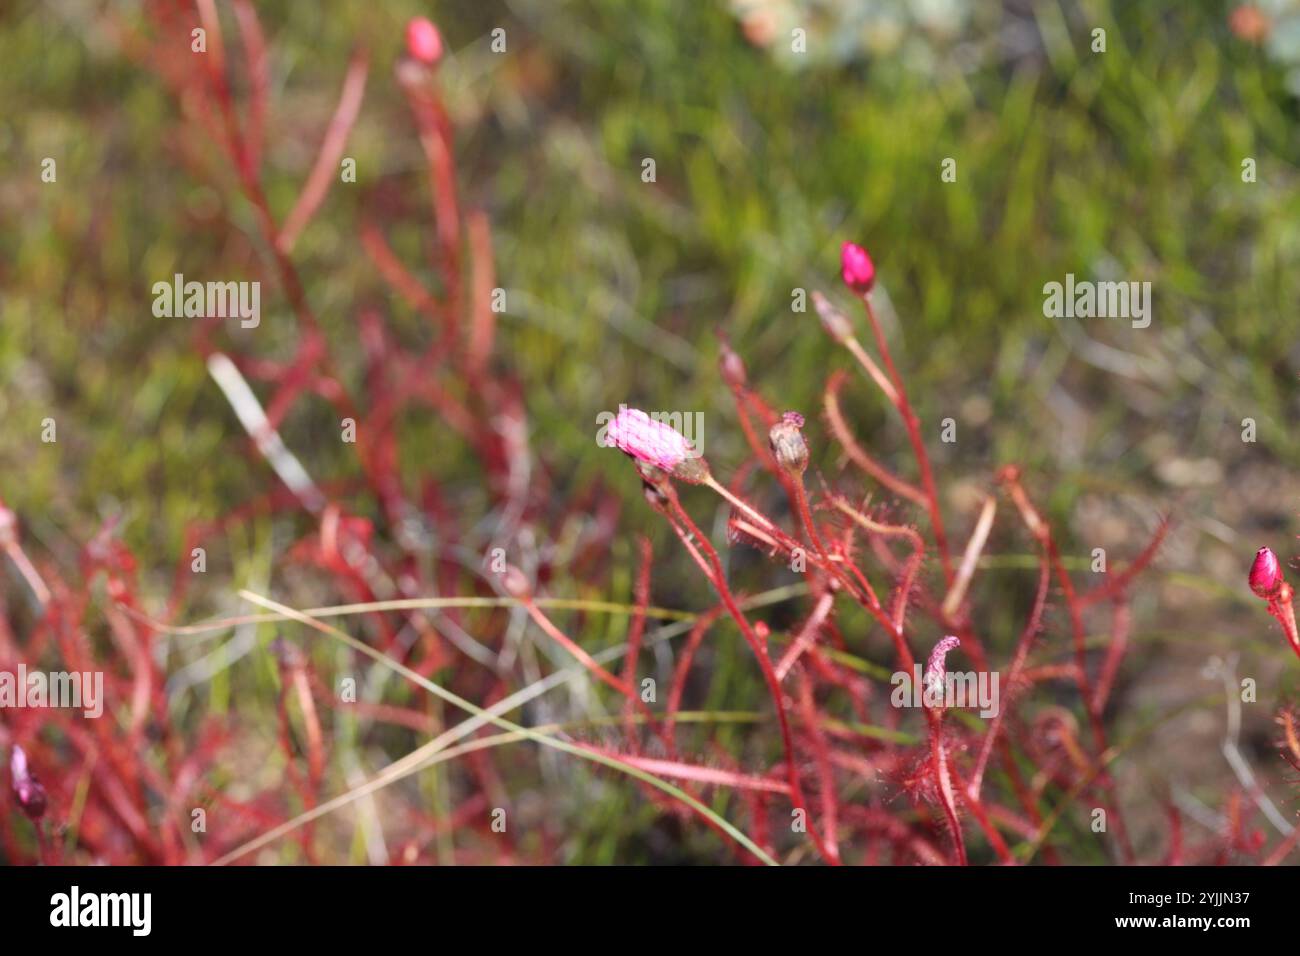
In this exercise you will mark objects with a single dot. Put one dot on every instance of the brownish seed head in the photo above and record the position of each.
(788, 445)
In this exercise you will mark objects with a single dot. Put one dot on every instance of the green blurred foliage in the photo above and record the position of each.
(1123, 164)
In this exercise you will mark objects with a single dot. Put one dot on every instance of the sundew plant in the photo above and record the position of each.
(745, 434)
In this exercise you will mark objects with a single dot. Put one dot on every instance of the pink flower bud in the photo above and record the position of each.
(1265, 574)
(856, 267)
(28, 790)
(655, 443)
(934, 667)
(515, 583)
(731, 365)
(788, 445)
(423, 42)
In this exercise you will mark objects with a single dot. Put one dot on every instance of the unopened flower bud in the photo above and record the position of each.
(28, 790)
(835, 322)
(1265, 574)
(731, 365)
(788, 445)
(515, 583)
(423, 42)
(856, 267)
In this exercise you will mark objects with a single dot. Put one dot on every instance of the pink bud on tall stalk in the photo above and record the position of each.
(28, 790)
(731, 365)
(423, 42)
(658, 445)
(856, 267)
(1265, 574)
(1267, 582)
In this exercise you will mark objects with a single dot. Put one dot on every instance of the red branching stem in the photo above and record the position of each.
(831, 564)
(483, 282)
(865, 584)
(800, 498)
(913, 426)
(822, 558)
(392, 271)
(1121, 623)
(719, 581)
(325, 170)
(831, 402)
(825, 774)
(748, 404)
(1283, 849)
(1175, 855)
(943, 782)
(250, 32)
(1282, 607)
(435, 138)
(18, 556)
(891, 622)
(1024, 796)
(1117, 582)
(683, 669)
(1010, 477)
(1013, 674)
(587, 661)
(689, 542)
(636, 629)
(807, 635)
(982, 817)
(1080, 640)
(903, 592)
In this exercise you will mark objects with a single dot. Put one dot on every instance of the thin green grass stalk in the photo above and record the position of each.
(480, 717)
(567, 604)
(409, 766)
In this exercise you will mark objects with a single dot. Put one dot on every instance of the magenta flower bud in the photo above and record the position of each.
(423, 42)
(28, 790)
(856, 267)
(1265, 574)
(656, 443)
(788, 445)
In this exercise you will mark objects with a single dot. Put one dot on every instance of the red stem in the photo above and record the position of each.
(719, 582)
(918, 446)
(939, 764)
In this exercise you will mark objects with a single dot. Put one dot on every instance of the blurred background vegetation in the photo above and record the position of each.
(1124, 164)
